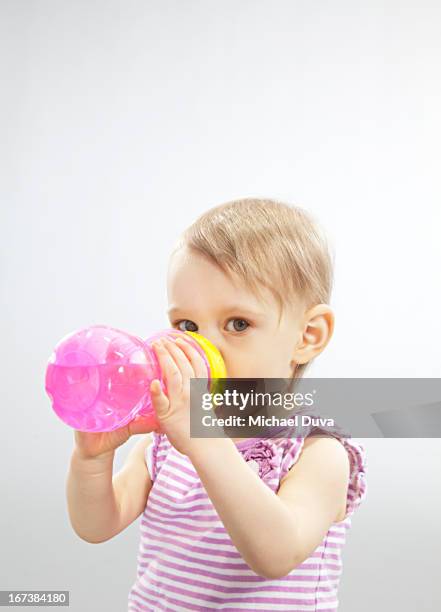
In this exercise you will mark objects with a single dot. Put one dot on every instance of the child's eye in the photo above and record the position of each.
(192, 326)
(240, 327)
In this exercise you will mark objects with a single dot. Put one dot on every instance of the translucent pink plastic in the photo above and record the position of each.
(98, 378)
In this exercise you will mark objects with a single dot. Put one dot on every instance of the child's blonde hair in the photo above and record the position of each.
(266, 243)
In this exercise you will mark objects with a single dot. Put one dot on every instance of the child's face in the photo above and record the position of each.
(244, 329)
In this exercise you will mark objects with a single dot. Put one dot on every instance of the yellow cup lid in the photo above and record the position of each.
(214, 358)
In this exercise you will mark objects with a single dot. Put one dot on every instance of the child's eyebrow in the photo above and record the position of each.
(225, 310)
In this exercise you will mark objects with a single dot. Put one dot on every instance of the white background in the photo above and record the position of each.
(123, 121)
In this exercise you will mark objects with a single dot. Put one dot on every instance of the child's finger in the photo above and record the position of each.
(160, 401)
(180, 359)
(197, 362)
(172, 373)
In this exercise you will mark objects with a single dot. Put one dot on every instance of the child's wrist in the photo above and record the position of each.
(92, 462)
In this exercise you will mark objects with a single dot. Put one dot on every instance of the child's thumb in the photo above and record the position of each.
(159, 399)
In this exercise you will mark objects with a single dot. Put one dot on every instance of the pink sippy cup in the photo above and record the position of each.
(98, 378)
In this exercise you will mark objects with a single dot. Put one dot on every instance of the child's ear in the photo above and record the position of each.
(315, 332)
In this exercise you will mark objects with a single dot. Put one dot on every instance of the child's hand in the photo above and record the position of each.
(179, 362)
(91, 444)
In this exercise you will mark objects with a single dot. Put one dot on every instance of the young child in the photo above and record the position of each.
(231, 524)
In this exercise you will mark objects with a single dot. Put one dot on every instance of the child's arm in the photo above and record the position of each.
(101, 505)
(275, 533)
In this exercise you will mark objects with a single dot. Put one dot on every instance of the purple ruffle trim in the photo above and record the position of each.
(264, 454)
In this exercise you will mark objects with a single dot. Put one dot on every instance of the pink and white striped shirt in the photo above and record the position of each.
(186, 559)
